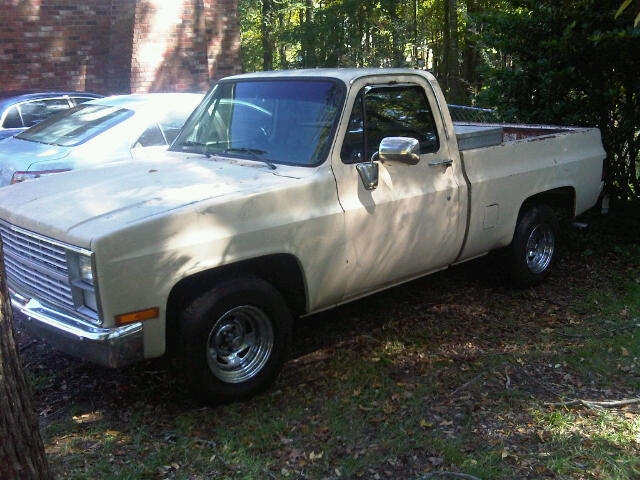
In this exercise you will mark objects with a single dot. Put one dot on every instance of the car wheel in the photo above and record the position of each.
(533, 251)
(234, 340)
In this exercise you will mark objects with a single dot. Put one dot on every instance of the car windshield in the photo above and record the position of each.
(76, 126)
(278, 121)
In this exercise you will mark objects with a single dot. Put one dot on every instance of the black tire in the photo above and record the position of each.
(534, 248)
(234, 339)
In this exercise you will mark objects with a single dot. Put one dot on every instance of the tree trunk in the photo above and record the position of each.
(450, 48)
(266, 26)
(309, 41)
(22, 453)
(452, 69)
(471, 57)
(446, 51)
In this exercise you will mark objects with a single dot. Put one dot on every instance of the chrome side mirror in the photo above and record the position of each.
(400, 149)
(392, 149)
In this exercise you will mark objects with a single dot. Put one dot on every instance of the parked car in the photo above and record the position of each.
(21, 109)
(106, 130)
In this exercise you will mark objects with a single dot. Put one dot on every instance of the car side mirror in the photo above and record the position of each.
(392, 149)
(400, 149)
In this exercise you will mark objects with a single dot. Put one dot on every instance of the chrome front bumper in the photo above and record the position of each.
(110, 347)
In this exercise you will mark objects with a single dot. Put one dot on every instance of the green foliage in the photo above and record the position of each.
(249, 13)
(432, 34)
(623, 7)
(334, 33)
(568, 62)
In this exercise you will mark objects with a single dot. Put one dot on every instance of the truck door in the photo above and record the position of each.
(413, 221)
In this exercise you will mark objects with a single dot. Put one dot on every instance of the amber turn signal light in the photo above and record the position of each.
(138, 316)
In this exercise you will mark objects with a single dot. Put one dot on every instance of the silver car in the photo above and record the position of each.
(118, 128)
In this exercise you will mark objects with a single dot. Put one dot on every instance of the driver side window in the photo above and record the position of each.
(388, 111)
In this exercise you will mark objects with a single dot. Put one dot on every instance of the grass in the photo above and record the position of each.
(451, 373)
(597, 446)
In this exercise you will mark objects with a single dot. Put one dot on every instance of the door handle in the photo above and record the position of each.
(441, 163)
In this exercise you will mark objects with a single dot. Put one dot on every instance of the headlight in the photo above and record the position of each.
(82, 282)
(85, 269)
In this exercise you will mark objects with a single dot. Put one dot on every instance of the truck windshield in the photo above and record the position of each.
(279, 121)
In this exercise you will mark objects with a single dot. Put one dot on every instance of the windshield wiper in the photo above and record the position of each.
(255, 153)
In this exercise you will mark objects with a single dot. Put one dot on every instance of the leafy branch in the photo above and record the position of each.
(623, 7)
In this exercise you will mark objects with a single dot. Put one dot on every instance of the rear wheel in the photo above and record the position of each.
(533, 251)
(234, 339)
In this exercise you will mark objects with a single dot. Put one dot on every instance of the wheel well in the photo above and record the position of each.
(282, 271)
(561, 200)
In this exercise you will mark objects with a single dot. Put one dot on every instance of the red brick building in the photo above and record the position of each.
(118, 46)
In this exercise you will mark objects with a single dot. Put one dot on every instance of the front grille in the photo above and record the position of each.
(36, 266)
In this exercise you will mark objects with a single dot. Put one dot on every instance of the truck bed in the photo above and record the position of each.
(478, 135)
(527, 160)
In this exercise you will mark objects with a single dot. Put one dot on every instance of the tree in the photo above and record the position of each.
(22, 455)
(450, 47)
(432, 34)
(268, 43)
(573, 63)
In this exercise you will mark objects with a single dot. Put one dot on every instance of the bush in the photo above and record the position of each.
(570, 63)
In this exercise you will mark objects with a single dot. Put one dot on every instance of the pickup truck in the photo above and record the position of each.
(286, 193)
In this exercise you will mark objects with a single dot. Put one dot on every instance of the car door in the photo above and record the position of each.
(412, 222)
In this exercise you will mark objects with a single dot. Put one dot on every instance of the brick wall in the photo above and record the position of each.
(118, 46)
(120, 40)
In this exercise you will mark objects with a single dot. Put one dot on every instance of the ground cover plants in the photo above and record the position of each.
(456, 375)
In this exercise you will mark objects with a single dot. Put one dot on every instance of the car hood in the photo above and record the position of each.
(17, 155)
(79, 206)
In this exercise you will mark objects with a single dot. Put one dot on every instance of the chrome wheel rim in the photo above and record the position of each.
(540, 248)
(240, 344)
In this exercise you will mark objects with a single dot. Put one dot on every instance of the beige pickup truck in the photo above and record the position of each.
(286, 193)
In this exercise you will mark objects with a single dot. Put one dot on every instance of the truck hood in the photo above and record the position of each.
(82, 205)
(18, 155)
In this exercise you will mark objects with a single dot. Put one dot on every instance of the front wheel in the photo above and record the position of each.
(533, 251)
(234, 339)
